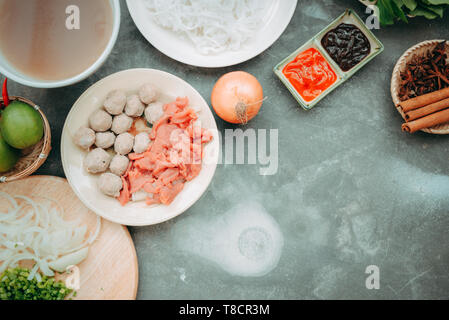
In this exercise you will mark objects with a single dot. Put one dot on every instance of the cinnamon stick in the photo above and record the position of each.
(427, 122)
(425, 111)
(424, 100)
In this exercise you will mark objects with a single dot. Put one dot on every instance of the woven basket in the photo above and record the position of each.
(33, 157)
(419, 49)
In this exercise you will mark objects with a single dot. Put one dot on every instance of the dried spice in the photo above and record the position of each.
(425, 74)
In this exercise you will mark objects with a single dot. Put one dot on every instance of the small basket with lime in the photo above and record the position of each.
(25, 137)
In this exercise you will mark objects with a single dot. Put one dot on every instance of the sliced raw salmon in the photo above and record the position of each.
(173, 158)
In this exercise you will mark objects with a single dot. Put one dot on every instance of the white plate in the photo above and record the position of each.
(177, 47)
(85, 185)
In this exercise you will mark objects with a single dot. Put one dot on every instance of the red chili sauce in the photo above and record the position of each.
(310, 74)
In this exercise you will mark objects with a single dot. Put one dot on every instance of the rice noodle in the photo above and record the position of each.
(213, 26)
(37, 231)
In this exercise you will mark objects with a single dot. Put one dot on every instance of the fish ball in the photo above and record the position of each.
(141, 142)
(124, 143)
(148, 93)
(110, 184)
(115, 102)
(119, 164)
(84, 137)
(154, 112)
(134, 107)
(97, 161)
(121, 123)
(100, 121)
(105, 140)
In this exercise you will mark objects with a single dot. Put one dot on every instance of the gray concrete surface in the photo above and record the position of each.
(352, 190)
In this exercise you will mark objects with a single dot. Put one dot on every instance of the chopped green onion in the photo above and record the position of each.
(14, 285)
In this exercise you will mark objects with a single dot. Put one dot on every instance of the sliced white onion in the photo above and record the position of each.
(34, 230)
(66, 261)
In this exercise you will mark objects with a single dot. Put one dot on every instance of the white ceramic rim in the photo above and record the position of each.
(36, 83)
(179, 56)
(124, 221)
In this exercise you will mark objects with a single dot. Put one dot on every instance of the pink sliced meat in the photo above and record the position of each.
(173, 158)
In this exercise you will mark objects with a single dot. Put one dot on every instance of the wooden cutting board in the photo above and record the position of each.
(110, 271)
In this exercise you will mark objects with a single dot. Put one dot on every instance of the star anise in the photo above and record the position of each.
(425, 73)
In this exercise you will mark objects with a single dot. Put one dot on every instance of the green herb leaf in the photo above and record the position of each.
(386, 14)
(423, 12)
(392, 10)
(437, 2)
(410, 4)
(398, 11)
(439, 10)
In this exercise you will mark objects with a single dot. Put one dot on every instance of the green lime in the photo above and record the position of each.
(8, 156)
(21, 125)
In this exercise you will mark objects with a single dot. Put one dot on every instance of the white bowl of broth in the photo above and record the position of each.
(56, 43)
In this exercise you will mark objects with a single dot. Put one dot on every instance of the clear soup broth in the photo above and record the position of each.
(35, 38)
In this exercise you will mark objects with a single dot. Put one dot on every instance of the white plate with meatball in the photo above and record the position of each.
(96, 140)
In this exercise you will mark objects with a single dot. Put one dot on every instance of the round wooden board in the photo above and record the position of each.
(110, 271)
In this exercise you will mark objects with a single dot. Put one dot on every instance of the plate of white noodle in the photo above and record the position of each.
(212, 33)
